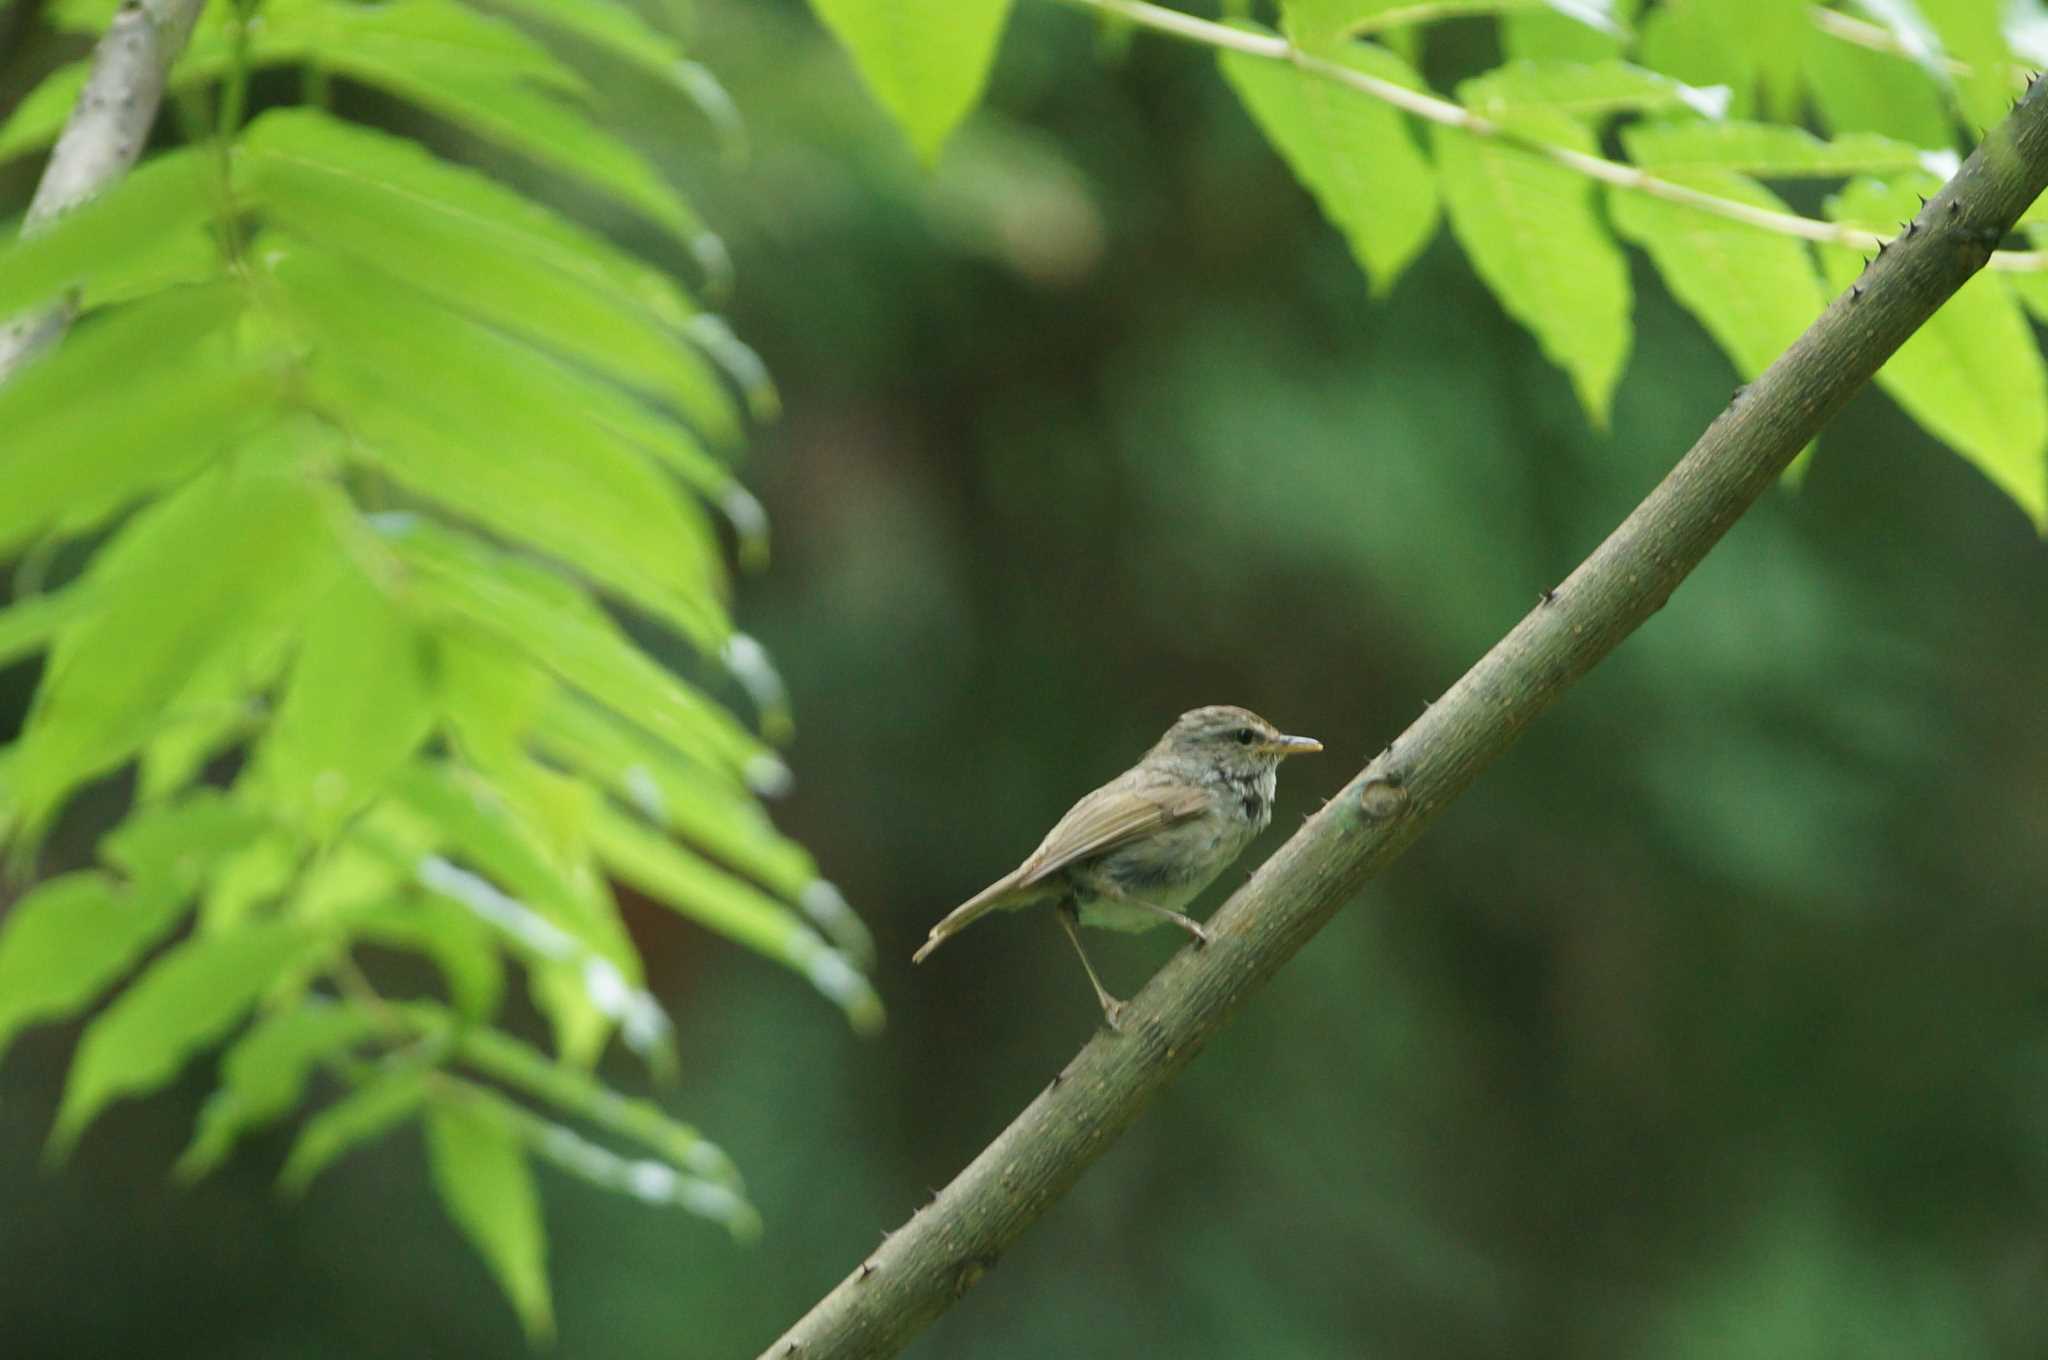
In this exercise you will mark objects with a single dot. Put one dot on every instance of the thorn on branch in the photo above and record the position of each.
(1855, 292)
(1955, 205)
(867, 1268)
(1546, 596)
(1741, 390)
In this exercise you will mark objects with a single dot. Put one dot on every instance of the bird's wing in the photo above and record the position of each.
(1111, 816)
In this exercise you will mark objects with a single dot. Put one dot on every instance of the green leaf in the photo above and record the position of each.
(461, 948)
(1857, 90)
(1971, 32)
(1591, 32)
(179, 843)
(1590, 91)
(503, 1058)
(1533, 235)
(535, 123)
(250, 877)
(264, 1075)
(646, 1181)
(387, 1098)
(657, 866)
(480, 205)
(475, 824)
(27, 625)
(715, 815)
(184, 1003)
(1689, 40)
(231, 555)
(1767, 150)
(354, 707)
(453, 234)
(70, 938)
(925, 60)
(612, 28)
(1972, 376)
(481, 1175)
(496, 431)
(1754, 291)
(1352, 152)
(547, 619)
(166, 196)
(221, 705)
(71, 458)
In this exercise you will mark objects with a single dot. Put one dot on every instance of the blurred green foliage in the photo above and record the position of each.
(1709, 1024)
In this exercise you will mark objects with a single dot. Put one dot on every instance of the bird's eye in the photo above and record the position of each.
(1244, 736)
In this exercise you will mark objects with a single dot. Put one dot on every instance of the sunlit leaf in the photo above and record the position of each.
(1971, 31)
(70, 939)
(453, 234)
(179, 843)
(1972, 376)
(68, 461)
(183, 1004)
(1688, 39)
(1767, 150)
(496, 431)
(1590, 91)
(166, 196)
(264, 1074)
(1354, 153)
(1857, 90)
(462, 948)
(539, 614)
(230, 555)
(580, 1095)
(1754, 291)
(355, 705)
(480, 1173)
(27, 625)
(925, 60)
(1533, 235)
(385, 1099)
(734, 908)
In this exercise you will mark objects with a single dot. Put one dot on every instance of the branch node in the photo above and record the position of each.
(1382, 799)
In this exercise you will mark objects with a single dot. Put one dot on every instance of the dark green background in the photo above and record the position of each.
(1710, 1023)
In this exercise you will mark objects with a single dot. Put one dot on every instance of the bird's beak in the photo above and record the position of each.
(1293, 746)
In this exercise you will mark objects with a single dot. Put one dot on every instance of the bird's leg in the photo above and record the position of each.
(1188, 923)
(1112, 1008)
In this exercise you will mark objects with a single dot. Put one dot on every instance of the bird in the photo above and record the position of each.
(1133, 853)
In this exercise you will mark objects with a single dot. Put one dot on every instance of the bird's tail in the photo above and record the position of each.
(997, 895)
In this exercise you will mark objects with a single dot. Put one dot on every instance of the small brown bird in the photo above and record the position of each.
(1131, 854)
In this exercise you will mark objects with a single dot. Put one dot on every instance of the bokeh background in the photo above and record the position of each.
(1712, 1022)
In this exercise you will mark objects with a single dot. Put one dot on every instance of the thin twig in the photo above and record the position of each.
(104, 135)
(1207, 33)
(949, 1244)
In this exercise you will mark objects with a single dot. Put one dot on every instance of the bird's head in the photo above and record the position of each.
(1231, 739)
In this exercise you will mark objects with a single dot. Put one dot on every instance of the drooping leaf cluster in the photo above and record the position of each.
(1611, 123)
(328, 519)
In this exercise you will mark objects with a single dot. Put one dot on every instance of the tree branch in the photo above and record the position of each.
(950, 1243)
(100, 142)
(1206, 32)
